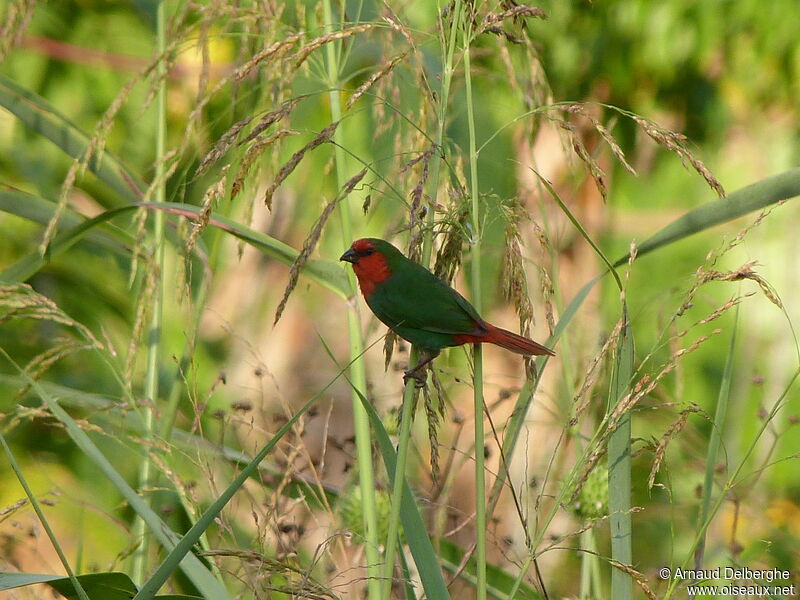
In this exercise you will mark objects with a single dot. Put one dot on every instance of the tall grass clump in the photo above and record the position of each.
(188, 368)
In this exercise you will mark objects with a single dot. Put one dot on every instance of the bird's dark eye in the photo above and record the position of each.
(368, 251)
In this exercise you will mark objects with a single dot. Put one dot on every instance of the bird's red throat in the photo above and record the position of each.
(370, 271)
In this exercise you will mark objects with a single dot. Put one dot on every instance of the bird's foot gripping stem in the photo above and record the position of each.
(420, 376)
(419, 373)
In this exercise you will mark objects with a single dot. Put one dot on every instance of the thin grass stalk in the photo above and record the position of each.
(399, 479)
(358, 375)
(619, 442)
(590, 571)
(154, 333)
(190, 538)
(12, 461)
(720, 414)
(477, 378)
(448, 47)
(565, 491)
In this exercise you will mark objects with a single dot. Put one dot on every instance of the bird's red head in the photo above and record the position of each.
(369, 264)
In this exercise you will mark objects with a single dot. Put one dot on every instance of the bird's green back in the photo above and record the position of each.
(419, 306)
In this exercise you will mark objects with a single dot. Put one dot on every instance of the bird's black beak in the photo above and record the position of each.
(350, 256)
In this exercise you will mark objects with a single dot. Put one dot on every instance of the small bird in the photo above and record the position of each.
(421, 308)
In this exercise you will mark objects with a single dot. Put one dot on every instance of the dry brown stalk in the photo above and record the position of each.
(210, 198)
(512, 272)
(20, 301)
(276, 50)
(592, 374)
(673, 430)
(604, 133)
(223, 144)
(305, 51)
(397, 26)
(273, 116)
(42, 362)
(638, 577)
(255, 150)
(388, 348)
(744, 272)
(312, 239)
(143, 304)
(675, 143)
(432, 417)
(382, 72)
(416, 192)
(578, 147)
(520, 11)
(324, 136)
(18, 17)
(448, 258)
(545, 283)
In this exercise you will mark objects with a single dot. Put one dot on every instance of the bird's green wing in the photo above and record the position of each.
(414, 297)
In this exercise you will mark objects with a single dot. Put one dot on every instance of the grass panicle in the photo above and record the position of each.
(311, 241)
(322, 137)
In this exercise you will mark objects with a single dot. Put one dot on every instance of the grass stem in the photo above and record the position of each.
(154, 333)
(477, 380)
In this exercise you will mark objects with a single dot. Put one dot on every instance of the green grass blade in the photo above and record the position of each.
(416, 535)
(525, 396)
(184, 546)
(98, 586)
(191, 565)
(714, 443)
(397, 477)
(756, 196)
(73, 581)
(577, 224)
(619, 468)
(326, 273)
(108, 414)
(40, 210)
(40, 116)
(34, 261)
(155, 304)
(358, 376)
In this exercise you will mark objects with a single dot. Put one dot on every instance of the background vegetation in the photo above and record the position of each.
(150, 352)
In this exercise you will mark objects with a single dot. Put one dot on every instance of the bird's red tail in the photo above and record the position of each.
(511, 341)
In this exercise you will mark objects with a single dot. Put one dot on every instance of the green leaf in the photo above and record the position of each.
(714, 443)
(40, 210)
(416, 535)
(619, 467)
(195, 570)
(326, 273)
(40, 116)
(183, 547)
(108, 414)
(99, 586)
(754, 197)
